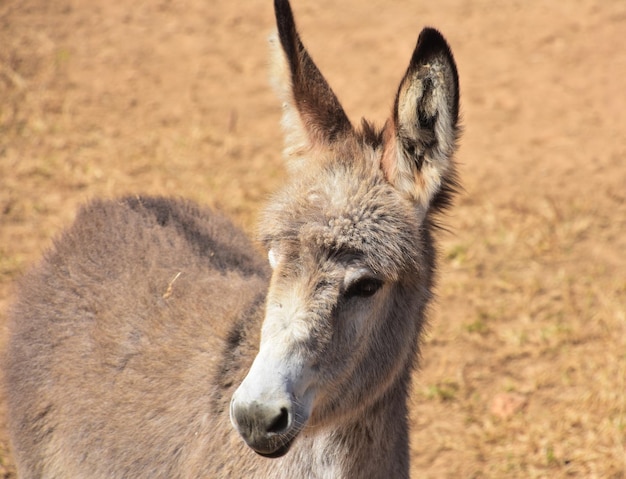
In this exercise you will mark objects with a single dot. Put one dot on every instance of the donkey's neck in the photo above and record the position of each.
(373, 444)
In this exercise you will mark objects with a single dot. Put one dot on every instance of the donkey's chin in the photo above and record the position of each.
(273, 446)
(280, 452)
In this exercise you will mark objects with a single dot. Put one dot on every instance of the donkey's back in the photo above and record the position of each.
(120, 342)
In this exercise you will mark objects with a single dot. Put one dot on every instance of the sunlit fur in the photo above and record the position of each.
(152, 323)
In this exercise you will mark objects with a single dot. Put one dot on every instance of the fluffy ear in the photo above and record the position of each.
(312, 115)
(420, 138)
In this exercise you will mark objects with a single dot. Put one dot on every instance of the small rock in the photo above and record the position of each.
(505, 405)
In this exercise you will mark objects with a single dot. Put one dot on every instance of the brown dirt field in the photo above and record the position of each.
(524, 367)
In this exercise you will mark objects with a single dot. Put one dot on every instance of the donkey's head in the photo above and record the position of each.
(348, 240)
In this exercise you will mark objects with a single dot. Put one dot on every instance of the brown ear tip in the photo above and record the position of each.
(284, 16)
(432, 42)
(431, 35)
(281, 5)
(287, 31)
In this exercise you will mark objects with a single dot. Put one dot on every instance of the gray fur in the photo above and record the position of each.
(129, 339)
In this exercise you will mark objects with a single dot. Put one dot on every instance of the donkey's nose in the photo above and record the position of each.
(257, 417)
(264, 426)
(280, 423)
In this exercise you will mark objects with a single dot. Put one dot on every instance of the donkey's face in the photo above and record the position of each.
(347, 243)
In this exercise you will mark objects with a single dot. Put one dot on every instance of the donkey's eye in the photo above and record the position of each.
(363, 288)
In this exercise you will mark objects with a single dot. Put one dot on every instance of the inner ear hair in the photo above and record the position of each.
(421, 137)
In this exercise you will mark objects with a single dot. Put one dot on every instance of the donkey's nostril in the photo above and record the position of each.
(280, 423)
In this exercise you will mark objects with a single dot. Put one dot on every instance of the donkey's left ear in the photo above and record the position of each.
(421, 137)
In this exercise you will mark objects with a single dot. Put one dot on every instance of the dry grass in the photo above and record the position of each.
(524, 368)
(543, 328)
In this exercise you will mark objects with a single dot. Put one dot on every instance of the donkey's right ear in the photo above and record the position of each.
(421, 136)
(312, 115)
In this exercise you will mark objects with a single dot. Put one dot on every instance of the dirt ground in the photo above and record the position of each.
(524, 367)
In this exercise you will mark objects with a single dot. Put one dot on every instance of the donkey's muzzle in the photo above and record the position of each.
(268, 428)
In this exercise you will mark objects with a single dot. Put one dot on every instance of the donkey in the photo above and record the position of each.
(153, 338)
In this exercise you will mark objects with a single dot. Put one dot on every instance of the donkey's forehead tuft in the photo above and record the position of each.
(344, 209)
